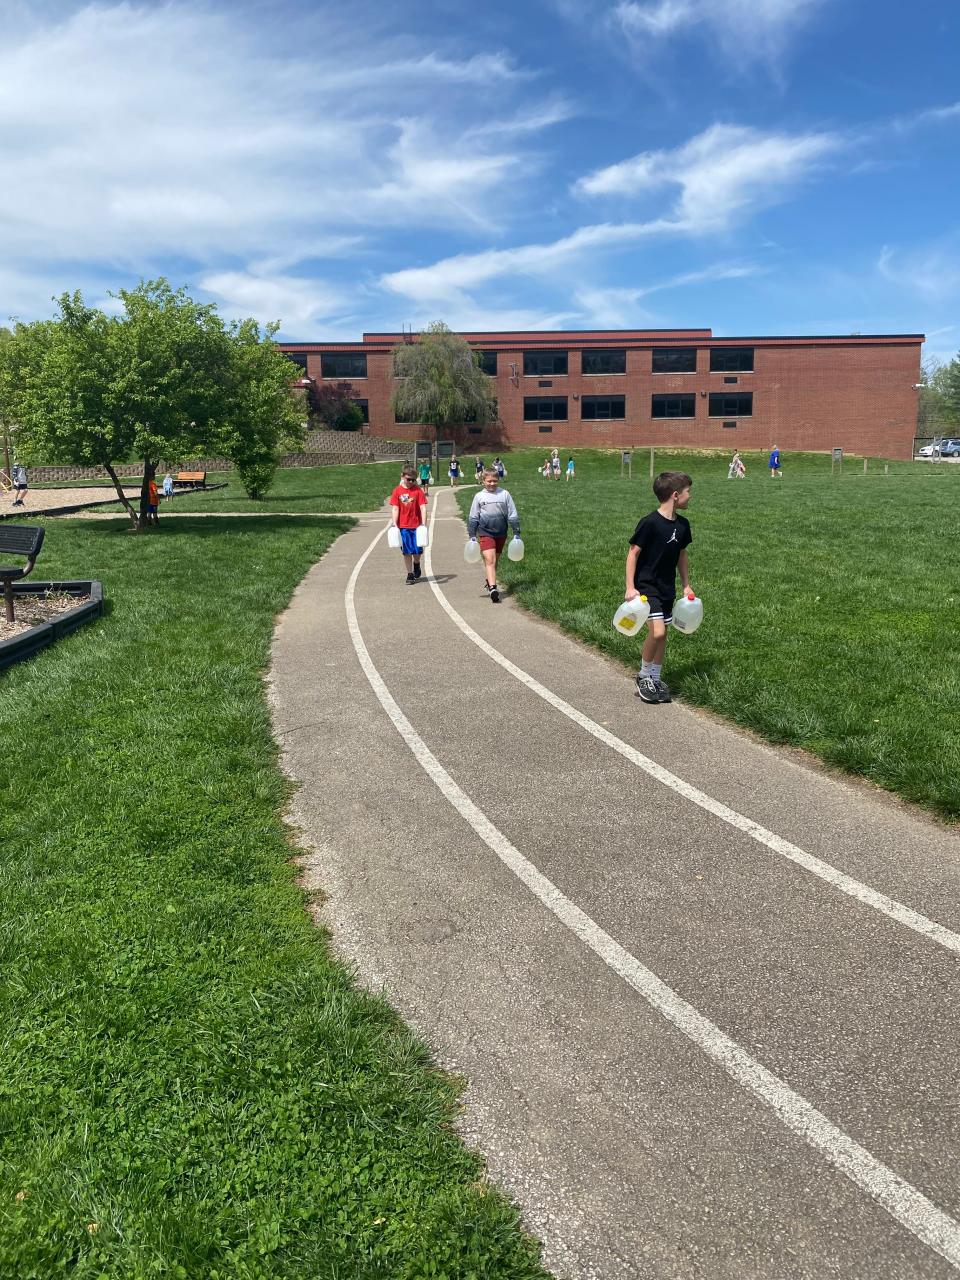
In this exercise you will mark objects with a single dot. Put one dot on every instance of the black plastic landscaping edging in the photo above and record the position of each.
(27, 643)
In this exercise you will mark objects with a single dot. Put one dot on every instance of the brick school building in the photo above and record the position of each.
(624, 388)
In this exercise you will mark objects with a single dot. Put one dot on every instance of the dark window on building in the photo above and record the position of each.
(544, 364)
(674, 360)
(545, 408)
(488, 362)
(604, 362)
(298, 358)
(343, 364)
(733, 380)
(730, 424)
(731, 359)
(603, 407)
(724, 405)
(544, 431)
(674, 407)
(475, 431)
(364, 409)
(545, 382)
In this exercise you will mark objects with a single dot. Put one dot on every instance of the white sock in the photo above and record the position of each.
(646, 670)
(655, 669)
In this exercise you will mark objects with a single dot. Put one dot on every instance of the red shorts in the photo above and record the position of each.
(492, 544)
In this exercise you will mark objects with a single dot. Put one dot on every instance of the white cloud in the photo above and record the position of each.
(304, 304)
(169, 131)
(722, 173)
(931, 270)
(758, 30)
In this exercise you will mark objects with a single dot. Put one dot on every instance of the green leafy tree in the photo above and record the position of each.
(950, 385)
(165, 379)
(934, 414)
(262, 414)
(7, 421)
(442, 382)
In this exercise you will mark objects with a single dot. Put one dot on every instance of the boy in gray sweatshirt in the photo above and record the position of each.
(491, 511)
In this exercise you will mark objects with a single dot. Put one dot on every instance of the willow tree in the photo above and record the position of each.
(442, 383)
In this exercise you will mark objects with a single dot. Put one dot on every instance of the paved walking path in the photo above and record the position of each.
(706, 998)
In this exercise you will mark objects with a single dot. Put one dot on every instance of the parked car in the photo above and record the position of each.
(946, 449)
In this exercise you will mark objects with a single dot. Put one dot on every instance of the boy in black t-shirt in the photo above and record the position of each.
(657, 552)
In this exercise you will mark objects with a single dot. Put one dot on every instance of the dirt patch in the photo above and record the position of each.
(34, 611)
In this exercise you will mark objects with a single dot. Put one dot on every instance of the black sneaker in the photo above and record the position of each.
(494, 595)
(647, 689)
(416, 571)
(410, 579)
(663, 689)
(486, 586)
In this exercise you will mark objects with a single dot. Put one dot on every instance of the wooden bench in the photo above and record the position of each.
(196, 478)
(17, 540)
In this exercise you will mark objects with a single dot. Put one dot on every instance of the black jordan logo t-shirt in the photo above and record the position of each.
(660, 541)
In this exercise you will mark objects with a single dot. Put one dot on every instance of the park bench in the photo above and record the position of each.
(17, 540)
(196, 478)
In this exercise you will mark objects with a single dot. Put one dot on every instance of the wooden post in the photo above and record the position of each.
(652, 464)
(865, 466)
(8, 598)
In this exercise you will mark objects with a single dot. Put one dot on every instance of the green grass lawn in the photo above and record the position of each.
(190, 1086)
(351, 487)
(830, 603)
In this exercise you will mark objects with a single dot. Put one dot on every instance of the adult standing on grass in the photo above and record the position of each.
(657, 552)
(20, 483)
(408, 501)
(491, 511)
(774, 463)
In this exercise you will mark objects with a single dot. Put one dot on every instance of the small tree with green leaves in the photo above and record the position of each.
(261, 413)
(333, 405)
(442, 382)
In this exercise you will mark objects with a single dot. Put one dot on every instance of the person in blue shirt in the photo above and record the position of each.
(774, 463)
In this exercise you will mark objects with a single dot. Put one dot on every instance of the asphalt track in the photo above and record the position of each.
(706, 998)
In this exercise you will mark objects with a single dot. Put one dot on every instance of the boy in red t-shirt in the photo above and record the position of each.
(408, 501)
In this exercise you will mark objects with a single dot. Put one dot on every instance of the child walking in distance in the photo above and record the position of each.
(454, 471)
(408, 501)
(774, 463)
(153, 501)
(491, 511)
(425, 475)
(19, 478)
(736, 470)
(657, 552)
(168, 487)
(570, 471)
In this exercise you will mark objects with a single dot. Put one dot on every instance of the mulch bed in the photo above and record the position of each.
(32, 612)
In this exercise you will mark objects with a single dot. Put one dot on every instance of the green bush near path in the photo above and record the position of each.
(190, 1085)
(830, 602)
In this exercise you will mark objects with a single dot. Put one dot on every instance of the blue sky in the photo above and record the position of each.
(758, 166)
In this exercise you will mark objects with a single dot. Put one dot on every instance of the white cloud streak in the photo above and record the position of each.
(757, 30)
(722, 173)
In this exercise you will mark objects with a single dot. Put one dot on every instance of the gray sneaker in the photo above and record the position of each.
(663, 689)
(647, 689)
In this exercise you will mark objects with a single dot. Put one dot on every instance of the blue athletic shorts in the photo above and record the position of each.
(408, 542)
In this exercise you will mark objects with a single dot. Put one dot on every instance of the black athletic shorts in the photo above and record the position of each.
(661, 606)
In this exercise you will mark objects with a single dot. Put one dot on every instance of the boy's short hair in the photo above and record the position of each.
(491, 471)
(668, 482)
(408, 473)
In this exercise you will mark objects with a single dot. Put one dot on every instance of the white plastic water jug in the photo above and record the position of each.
(688, 613)
(393, 538)
(515, 548)
(471, 552)
(423, 535)
(631, 615)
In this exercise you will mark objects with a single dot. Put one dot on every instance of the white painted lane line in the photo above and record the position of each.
(825, 871)
(899, 1198)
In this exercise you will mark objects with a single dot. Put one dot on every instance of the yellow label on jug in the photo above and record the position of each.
(628, 623)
